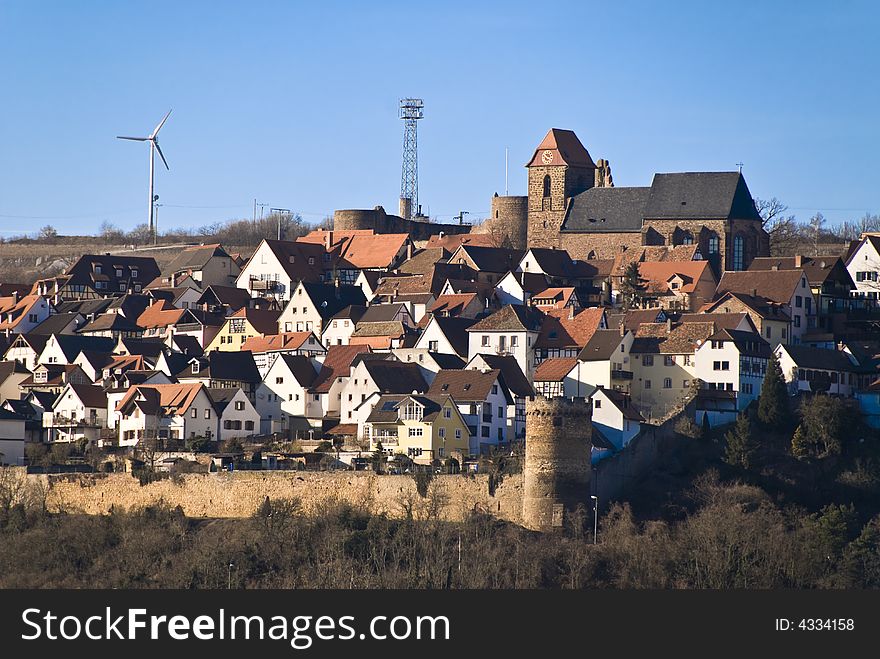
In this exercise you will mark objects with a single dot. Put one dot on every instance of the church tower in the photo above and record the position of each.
(559, 169)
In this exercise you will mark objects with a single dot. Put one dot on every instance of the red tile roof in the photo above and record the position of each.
(554, 369)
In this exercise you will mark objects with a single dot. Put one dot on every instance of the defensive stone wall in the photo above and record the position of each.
(380, 222)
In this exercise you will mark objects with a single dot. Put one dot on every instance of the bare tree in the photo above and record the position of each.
(783, 229)
(816, 224)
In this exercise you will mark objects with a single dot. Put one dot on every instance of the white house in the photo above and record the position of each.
(338, 331)
(615, 417)
(864, 267)
(266, 349)
(166, 412)
(605, 360)
(283, 393)
(818, 369)
(277, 265)
(446, 335)
(312, 305)
(370, 375)
(733, 360)
(512, 330)
(237, 416)
(79, 413)
(516, 383)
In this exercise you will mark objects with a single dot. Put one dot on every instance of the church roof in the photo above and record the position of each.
(700, 196)
(612, 210)
(566, 149)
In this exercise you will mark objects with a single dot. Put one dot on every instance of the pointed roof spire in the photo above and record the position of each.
(561, 147)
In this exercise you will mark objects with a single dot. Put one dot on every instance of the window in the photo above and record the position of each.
(798, 301)
(648, 360)
(797, 321)
(193, 413)
(433, 346)
(769, 331)
(311, 260)
(713, 244)
(738, 253)
(669, 360)
(514, 341)
(118, 272)
(447, 413)
(485, 341)
(685, 384)
(547, 185)
(248, 425)
(484, 431)
(687, 360)
(239, 405)
(134, 273)
(279, 380)
(667, 383)
(441, 433)
(500, 412)
(494, 388)
(98, 269)
(457, 434)
(725, 366)
(207, 412)
(414, 432)
(597, 404)
(647, 384)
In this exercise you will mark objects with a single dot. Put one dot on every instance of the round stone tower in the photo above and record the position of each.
(557, 465)
(511, 215)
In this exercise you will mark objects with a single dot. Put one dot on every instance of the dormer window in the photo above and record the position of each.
(98, 269)
(134, 273)
(412, 411)
(118, 272)
(195, 368)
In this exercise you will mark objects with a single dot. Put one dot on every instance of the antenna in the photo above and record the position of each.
(740, 165)
(506, 193)
(410, 110)
(153, 139)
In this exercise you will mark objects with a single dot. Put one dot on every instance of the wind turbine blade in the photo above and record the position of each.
(136, 139)
(161, 123)
(161, 155)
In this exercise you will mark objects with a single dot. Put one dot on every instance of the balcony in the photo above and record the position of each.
(264, 285)
(621, 375)
(60, 421)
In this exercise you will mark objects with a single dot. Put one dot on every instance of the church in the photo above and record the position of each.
(573, 204)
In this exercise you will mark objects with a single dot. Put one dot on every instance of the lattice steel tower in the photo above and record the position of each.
(411, 110)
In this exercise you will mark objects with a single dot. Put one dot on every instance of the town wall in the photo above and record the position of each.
(380, 222)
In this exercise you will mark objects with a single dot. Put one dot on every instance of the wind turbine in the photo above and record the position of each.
(153, 139)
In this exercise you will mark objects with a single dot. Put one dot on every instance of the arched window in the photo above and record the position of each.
(713, 244)
(738, 253)
(547, 185)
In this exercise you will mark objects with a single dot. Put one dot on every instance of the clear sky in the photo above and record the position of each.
(295, 103)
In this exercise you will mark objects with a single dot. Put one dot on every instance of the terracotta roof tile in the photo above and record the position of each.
(554, 369)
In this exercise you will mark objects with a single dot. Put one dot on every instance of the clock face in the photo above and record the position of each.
(547, 157)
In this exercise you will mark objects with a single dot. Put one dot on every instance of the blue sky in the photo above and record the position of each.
(295, 103)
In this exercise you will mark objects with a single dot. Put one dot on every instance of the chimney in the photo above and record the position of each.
(328, 240)
(409, 250)
(798, 261)
(571, 312)
(754, 292)
(669, 324)
(622, 327)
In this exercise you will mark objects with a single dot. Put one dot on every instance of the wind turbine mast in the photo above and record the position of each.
(153, 139)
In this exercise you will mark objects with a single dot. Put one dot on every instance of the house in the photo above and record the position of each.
(394, 311)
(787, 288)
(165, 412)
(182, 297)
(12, 438)
(242, 325)
(208, 265)
(111, 325)
(423, 261)
(202, 325)
(236, 415)
(19, 315)
(429, 363)
(863, 266)
(382, 336)
(560, 270)
(615, 417)
(565, 332)
(93, 364)
(605, 360)
(558, 297)
(489, 263)
(117, 386)
(678, 285)
(818, 369)
(516, 383)
(484, 402)
(266, 349)
(276, 266)
(663, 364)
(513, 330)
(101, 275)
(828, 277)
(446, 334)
(421, 427)
(283, 393)
(553, 378)
(519, 287)
(32, 413)
(224, 370)
(342, 324)
(63, 348)
(312, 305)
(325, 394)
(78, 414)
(52, 378)
(733, 360)
(370, 374)
(368, 281)
(224, 300)
(353, 251)
(772, 320)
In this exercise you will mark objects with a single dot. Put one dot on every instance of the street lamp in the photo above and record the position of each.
(595, 517)
(229, 576)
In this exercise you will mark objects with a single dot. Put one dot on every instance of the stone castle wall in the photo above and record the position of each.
(510, 216)
(380, 222)
(557, 464)
(239, 494)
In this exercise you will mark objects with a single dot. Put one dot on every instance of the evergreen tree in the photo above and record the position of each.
(632, 286)
(741, 444)
(774, 410)
(378, 458)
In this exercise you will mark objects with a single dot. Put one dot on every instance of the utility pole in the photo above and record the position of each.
(595, 517)
(280, 211)
(460, 216)
(156, 207)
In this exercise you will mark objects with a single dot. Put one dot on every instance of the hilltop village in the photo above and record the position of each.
(391, 336)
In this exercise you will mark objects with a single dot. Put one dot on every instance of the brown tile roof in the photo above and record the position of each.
(566, 149)
(455, 330)
(466, 386)
(162, 397)
(453, 304)
(722, 320)
(263, 320)
(337, 363)
(514, 379)
(658, 274)
(554, 369)
(511, 317)
(423, 261)
(759, 305)
(562, 329)
(559, 296)
(160, 314)
(387, 328)
(90, 395)
(818, 269)
(779, 288)
(602, 346)
(682, 339)
(276, 342)
(404, 285)
(454, 241)
(635, 317)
